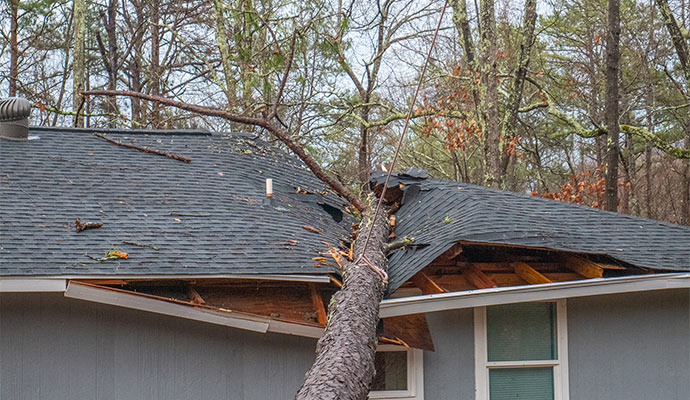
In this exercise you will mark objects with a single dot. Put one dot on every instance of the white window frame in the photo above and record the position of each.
(415, 376)
(560, 365)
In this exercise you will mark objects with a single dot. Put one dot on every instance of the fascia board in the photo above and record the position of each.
(270, 277)
(527, 293)
(136, 302)
(28, 285)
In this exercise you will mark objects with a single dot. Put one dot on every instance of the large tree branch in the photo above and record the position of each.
(677, 37)
(273, 128)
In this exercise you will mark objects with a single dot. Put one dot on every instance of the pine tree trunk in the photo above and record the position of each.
(14, 47)
(79, 55)
(344, 363)
(489, 78)
(155, 68)
(612, 60)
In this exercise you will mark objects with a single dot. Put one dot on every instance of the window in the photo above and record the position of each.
(398, 374)
(521, 351)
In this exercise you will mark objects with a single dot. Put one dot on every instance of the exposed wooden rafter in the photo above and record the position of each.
(321, 315)
(194, 296)
(426, 284)
(529, 274)
(584, 267)
(479, 279)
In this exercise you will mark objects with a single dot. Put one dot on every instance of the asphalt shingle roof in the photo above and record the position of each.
(440, 213)
(231, 227)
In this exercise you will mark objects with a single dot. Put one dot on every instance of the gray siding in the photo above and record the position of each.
(57, 348)
(449, 371)
(630, 346)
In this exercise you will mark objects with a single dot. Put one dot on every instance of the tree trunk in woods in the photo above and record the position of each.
(155, 72)
(110, 57)
(683, 53)
(685, 207)
(14, 47)
(462, 25)
(489, 78)
(344, 364)
(78, 76)
(510, 118)
(613, 129)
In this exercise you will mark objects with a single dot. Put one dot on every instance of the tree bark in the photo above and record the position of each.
(510, 118)
(14, 47)
(344, 363)
(78, 76)
(612, 112)
(155, 68)
(683, 53)
(489, 77)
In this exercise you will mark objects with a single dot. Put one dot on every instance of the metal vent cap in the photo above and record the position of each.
(14, 118)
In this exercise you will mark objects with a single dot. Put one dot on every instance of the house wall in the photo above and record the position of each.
(449, 371)
(628, 346)
(631, 346)
(56, 348)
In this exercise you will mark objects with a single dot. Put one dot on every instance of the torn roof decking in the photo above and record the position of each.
(438, 214)
(209, 217)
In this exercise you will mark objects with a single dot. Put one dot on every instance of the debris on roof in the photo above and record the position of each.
(207, 217)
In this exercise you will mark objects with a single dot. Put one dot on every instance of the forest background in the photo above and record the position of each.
(518, 95)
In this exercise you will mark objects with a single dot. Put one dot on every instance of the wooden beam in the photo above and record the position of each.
(426, 284)
(409, 331)
(529, 274)
(584, 267)
(476, 277)
(194, 296)
(321, 315)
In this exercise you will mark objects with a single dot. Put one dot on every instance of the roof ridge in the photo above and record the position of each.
(561, 203)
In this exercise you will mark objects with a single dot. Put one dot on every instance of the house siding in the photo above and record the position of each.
(57, 348)
(449, 371)
(632, 346)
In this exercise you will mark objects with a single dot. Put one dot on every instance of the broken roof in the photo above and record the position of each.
(438, 214)
(209, 217)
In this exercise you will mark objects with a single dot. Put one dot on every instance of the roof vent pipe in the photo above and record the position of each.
(14, 118)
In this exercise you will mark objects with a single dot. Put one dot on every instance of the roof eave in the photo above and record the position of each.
(528, 293)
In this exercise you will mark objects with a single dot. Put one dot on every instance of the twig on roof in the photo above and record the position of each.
(140, 244)
(82, 226)
(144, 149)
(310, 228)
(188, 214)
(400, 243)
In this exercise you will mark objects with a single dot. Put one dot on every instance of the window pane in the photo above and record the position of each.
(390, 371)
(521, 383)
(518, 332)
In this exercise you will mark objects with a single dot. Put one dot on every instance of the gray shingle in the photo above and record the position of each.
(443, 213)
(66, 174)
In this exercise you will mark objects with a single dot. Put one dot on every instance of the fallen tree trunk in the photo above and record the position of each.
(344, 365)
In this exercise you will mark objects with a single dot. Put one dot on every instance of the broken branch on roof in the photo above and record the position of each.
(142, 148)
(82, 226)
(310, 228)
(400, 243)
(140, 244)
(188, 214)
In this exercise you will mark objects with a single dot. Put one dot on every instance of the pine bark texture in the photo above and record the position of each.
(489, 77)
(344, 364)
(14, 47)
(78, 79)
(612, 112)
